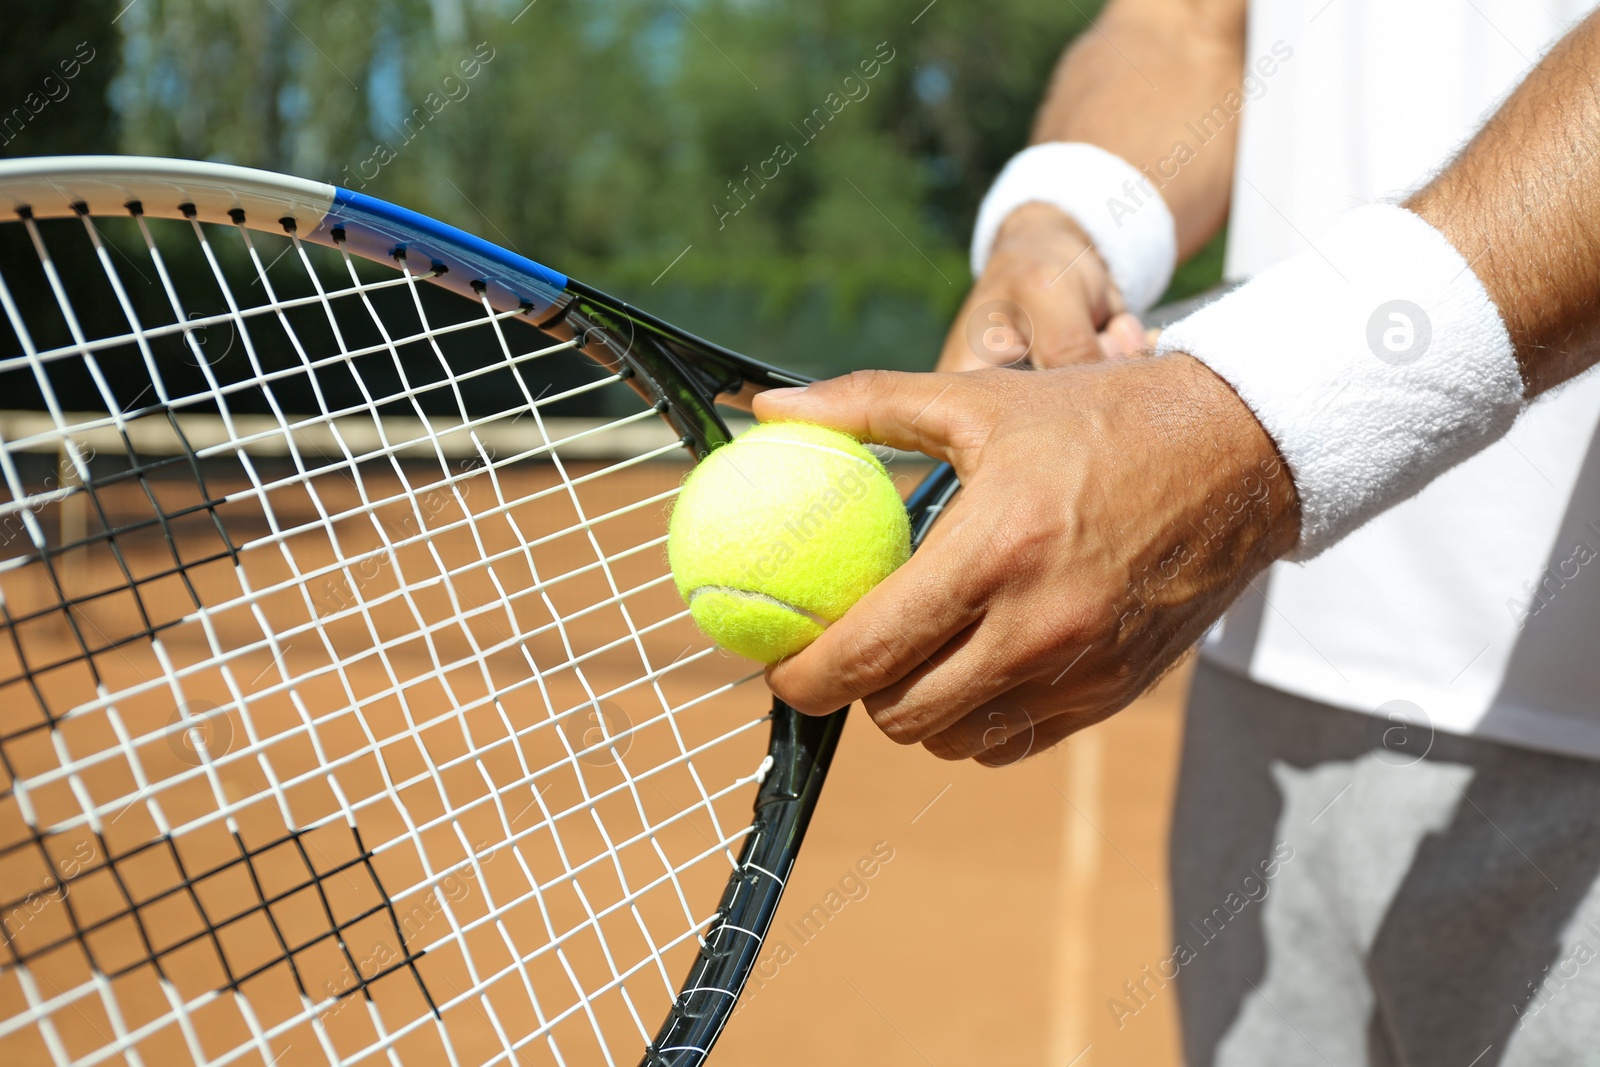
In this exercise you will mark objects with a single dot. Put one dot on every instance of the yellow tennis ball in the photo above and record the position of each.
(776, 534)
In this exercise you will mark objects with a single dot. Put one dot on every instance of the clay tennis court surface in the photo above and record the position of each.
(939, 914)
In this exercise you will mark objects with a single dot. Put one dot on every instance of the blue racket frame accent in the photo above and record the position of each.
(687, 374)
(379, 230)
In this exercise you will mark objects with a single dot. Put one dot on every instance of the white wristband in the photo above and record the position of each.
(1122, 214)
(1375, 362)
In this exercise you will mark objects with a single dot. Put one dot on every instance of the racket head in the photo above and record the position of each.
(174, 530)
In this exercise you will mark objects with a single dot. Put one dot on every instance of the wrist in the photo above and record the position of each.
(1036, 227)
(1233, 459)
(1036, 219)
(1199, 501)
(1093, 187)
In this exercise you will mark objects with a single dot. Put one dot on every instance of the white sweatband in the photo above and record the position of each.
(1376, 362)
(1116, 206)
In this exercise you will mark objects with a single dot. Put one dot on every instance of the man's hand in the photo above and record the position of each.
(1045, 297)
(1045, 294)
(1109, 513)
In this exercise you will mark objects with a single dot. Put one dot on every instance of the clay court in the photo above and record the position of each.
(940, 913)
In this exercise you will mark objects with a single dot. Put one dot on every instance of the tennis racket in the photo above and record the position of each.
(347, 710)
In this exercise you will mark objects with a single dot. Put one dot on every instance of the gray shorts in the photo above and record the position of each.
(1348, 891)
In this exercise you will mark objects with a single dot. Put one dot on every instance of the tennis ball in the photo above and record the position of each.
(778, 532)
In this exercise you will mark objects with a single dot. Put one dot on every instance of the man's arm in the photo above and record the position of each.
(1110, 512)
(1128, 85)
(1133, 82)
(1522, 205)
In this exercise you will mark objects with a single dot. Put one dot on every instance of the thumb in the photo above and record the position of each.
(1123, 337)
(912, 412)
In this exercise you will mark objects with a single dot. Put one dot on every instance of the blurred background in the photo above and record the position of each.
(796, 179)
(632, 143)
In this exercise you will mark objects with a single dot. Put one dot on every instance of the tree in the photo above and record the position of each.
(730, 163)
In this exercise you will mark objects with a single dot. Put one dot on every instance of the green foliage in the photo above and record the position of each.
(1202, 271)
(729, 161)
(56, 61)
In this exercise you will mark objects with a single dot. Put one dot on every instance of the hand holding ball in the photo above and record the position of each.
(776, 534)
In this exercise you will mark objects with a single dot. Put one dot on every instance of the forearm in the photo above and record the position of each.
(1132, 83)
(1522, 206)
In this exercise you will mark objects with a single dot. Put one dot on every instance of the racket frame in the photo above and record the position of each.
(680, 374)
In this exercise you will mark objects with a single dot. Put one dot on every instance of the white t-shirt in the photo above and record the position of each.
(1478, 600)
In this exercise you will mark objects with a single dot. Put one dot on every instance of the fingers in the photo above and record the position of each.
(982, 688)
(1043, 737)
(1077, 564)
(884, 637)
(1044, 298)
(991, 330)
(987, 333)
(905, 411)
(1077, 306)
(1024, 722)
(966, 674)
(1123, 337)
(1001, 728)
(1055, 327)
(1066, 331)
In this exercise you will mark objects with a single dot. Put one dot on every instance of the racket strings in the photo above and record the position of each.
(598, 749)
(60, 888)
(373, 620)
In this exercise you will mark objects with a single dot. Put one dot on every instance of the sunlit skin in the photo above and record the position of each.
(1032, 606)
(1193, 53)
